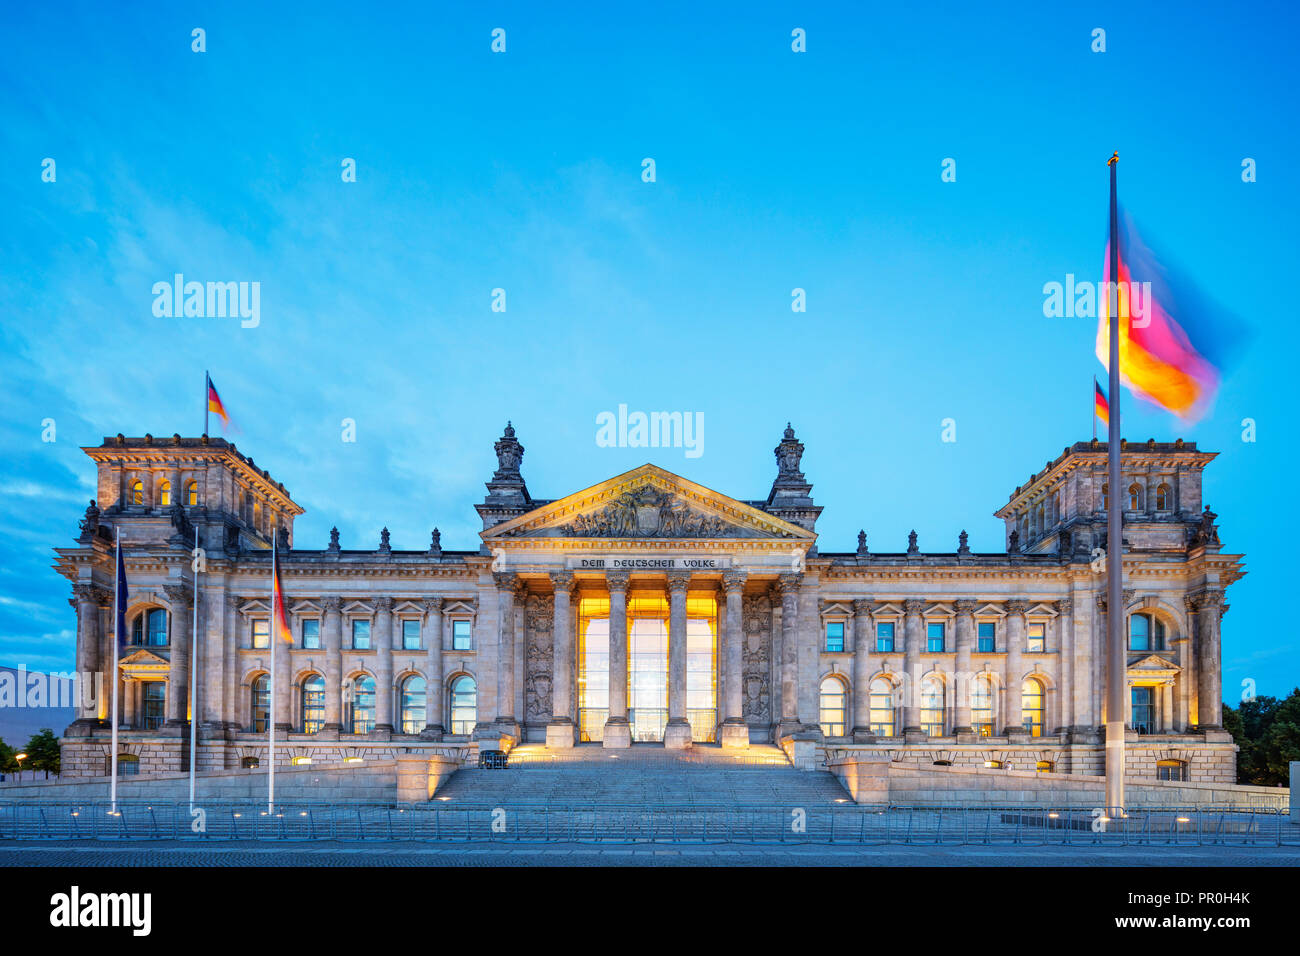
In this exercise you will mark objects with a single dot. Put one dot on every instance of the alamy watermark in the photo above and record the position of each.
(1071, 299)
(626, 429)
(212, 300)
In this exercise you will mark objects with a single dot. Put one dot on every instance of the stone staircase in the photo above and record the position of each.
(642, 776)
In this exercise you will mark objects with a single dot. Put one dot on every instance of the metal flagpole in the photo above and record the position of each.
(270, 717)
(207, 385)
(1094, 408)
(1115, 676)
(194, 676)
(117, 624)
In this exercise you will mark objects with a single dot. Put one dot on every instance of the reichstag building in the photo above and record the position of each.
(651, 611)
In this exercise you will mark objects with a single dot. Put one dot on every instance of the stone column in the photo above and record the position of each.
(561, 731)
(1015, 647)
(333, 627)
(1081, 650)
(520, 648)
(677, 735)
(384, 665)
(1209, 706)
(283, 683)
(88, 599)
(231, 714)
(1065, 654)
(506, 725)
(964, 677)
(734, 731)
(913, 634)
(433, 729)
(863, 635)
(789, 586)
(211, 648)
(180, 604)
(618, 732)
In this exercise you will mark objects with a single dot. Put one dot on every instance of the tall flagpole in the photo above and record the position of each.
(1115, 665)
(1094, 408)
(270, 717)
(207, 386)
(117, 625)
(194, 677)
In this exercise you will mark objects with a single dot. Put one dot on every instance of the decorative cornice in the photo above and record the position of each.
(505, 580)
(562, 580)
(734, 581)
(678, 581)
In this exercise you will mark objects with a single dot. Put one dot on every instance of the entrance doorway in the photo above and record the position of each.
(647, 672)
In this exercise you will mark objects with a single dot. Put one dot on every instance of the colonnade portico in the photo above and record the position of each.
(731, 729)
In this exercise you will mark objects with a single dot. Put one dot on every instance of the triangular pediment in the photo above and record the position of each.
(1153, 662)
(648, 503)
(142, 657)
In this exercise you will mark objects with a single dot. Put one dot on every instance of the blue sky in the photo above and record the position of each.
(522, 171)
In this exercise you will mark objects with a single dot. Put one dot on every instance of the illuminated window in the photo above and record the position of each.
(150, 628)
(986, 642)
(412, 704)
(301, 761)
(137, 493)
(835, 637)
(993, 765)
(249, 763)
(262, 633)
(593, 666)
(1144, 709)
(313, 704)
(932, 700)
(1146, 633)
(647, 664)
(152, 700)
(460, 636)
(885, 637)
(1135, 497)
(831, 707)
(934, 633)
(881, 706)
(311, 634)
(361, 635)
(1031, 706)
(410, 635)
(1164, 498)
(1044, 766)
(165, 494)
(464, 704)
(1037, 638)
(981, 706)
(128, 765)
(261, 699)
(701, 666)
(362, 708)
(1171, 769)
(192, 493)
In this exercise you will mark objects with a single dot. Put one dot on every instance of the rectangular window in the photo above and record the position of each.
(1144, 710)
(311, 633)
(155, 697)
(361, 635)
(261, 633)
(410, 635)
(460, 636)
(1037, 638)
(885, 638)
(835, 637)
(987, 642)
(934, 637)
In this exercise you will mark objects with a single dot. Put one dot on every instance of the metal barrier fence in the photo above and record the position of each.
(952, 825)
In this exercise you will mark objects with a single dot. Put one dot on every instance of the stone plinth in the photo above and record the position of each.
(561, 734)
(618, 733)
(419, 777)
(677, 735)
(865, 776)
(734, 736)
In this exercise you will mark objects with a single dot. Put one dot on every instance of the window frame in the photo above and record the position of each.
(302, 633)
(254, 634)
(1030, 639)
(352, 633)
(893, 636)
(992, 639)
(942, 639)
(419, 634)
(831, 622)
(840, 694)
(469, 634)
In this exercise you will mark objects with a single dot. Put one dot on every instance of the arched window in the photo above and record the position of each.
(1044, 766)
(1171, 769)
(881, 705)
(1164, 498)
(1031, 706)
(191, 492)
(313, 704)
(261, 703)
(831, 707)
(153, 704)
(981, 706)
(1040, 520)
(165, 494)
(413, 700)
(136, 496)
(149, 628)
(932, 706)
(1135, 497)
(1146, 632)
(249, 763)
(362, 717)
(464, 704)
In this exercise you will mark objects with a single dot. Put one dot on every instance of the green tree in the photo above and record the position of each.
(7, 762)
(43, 751)
(1267, 731)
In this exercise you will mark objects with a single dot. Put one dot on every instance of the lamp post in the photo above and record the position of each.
(20, 758)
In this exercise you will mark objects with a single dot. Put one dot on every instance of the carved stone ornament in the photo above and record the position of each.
(647, 512)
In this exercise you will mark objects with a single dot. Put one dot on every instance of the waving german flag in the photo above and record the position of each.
(215, 405)
(1100, 407)
(279, 616)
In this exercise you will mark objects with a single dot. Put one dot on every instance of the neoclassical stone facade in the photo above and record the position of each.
(651, 609)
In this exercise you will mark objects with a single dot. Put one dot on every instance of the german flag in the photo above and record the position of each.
(215, 405)
(279, 615)
(1101, 407)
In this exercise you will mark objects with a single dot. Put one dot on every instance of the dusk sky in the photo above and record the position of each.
(522, 171)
